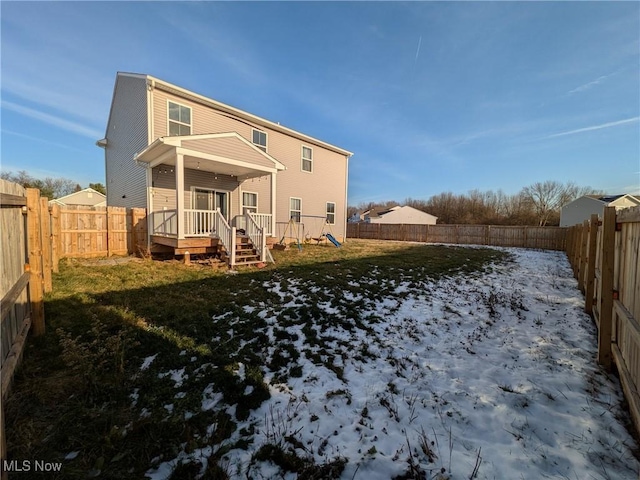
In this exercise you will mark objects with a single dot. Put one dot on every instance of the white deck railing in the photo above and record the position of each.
(200, 223)
(164, 222)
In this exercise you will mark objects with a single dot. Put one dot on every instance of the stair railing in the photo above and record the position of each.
(227, 236)
(257, 235)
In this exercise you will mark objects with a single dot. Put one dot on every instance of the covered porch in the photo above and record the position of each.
(203, 191)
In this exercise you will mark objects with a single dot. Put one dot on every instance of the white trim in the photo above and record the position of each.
(190, 125)
(346, 197)
(225, 160)
(273, 203)
(302, 158)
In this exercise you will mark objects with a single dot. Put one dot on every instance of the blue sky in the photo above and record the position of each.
(430, 96)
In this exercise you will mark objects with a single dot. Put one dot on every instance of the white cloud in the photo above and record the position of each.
(68, 125)
(595, 127)
(589, 85)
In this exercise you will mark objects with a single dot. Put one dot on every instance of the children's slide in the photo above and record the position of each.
(333, 240)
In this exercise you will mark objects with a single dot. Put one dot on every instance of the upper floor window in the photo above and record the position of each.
(331, 213)
(179, 119)
(259, 139)
(307, 159)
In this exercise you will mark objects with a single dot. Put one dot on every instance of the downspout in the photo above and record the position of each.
(346, 196)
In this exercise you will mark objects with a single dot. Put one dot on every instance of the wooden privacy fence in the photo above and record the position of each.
(83, 232)
(26, 275)
(549, 238)
(605, 256)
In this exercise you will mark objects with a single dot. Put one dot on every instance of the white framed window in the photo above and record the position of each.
(249, 202)
(331, 213)
(307, 159)
(179, 117)
(295, 209)
(259, 139)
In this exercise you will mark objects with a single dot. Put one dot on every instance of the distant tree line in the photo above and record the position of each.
(49, 187)
(537, 204)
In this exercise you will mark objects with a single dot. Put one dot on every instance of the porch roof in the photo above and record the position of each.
(223, 153)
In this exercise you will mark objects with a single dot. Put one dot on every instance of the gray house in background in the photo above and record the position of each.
(202, 168)
(582, 208)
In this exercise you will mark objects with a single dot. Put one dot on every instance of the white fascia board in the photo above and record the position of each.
(225, 160)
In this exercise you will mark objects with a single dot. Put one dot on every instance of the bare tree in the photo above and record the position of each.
(49, 187)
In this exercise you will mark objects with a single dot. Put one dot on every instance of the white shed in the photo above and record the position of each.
(405, 214)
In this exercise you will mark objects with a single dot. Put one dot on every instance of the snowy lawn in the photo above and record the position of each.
(378, 360)
(480, 375)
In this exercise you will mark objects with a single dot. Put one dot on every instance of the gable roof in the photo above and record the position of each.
(228, 153)
(607, 199)
(154, 82)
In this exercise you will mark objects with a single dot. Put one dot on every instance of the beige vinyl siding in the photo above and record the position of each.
(164, 190)
(261, 186)
(327, 182)
(230, 147)
(203, 119)
(127, 134)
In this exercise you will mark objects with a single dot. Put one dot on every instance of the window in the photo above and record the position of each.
(259, 139)
(295, 209)
(307, 159)
(179, 119)
(249, 202)
(331, 213)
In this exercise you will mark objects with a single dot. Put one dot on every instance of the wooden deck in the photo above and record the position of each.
(160, 243)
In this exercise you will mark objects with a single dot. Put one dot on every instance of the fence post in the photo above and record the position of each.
(55, 236)
(606, 287)
(108, 236)
(45, 232)
(34, 240)
(591, 264)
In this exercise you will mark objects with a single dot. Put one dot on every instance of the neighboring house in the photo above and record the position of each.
(582, 208)
(202, 168)
(85, 197)
(398, 214)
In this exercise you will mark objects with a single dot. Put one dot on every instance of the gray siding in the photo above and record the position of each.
(127, 134)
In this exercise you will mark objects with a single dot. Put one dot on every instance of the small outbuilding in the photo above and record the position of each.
(399, 214)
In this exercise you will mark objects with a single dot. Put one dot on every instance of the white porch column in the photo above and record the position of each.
(180, 194)
(149, 173)
(273, 204)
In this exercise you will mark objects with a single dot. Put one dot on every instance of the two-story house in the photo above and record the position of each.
(203, 170)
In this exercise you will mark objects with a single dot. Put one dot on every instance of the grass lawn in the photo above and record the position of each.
(81, 392)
